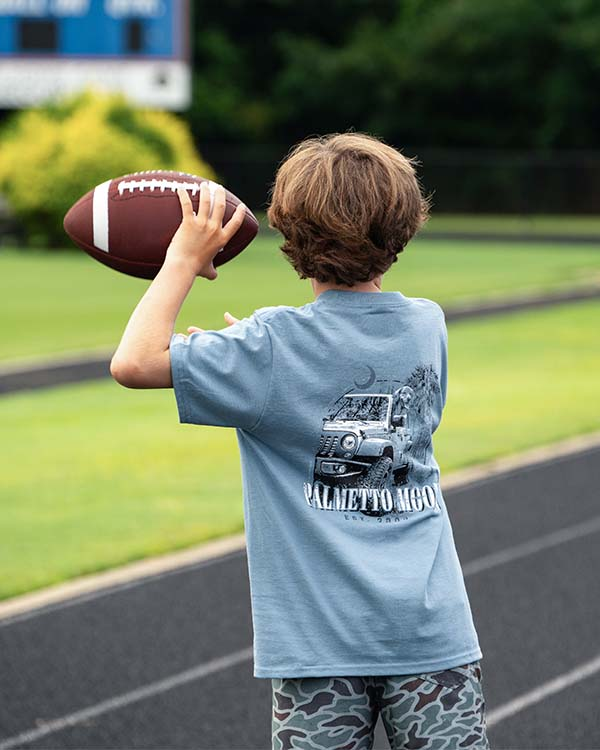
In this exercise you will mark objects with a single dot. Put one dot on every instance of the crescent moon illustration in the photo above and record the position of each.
(370, 380)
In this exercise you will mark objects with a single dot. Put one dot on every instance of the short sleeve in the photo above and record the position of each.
(221, 378)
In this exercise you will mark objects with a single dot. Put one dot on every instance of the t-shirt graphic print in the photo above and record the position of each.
(373, 445)
(351, 558)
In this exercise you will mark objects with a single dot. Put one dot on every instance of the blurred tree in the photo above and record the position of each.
(502, 73)
(240, 54)
(52, 155)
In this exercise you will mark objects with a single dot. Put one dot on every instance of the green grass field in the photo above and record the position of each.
(574, 226)
(530, 225)
(94, 475)
(58, 302)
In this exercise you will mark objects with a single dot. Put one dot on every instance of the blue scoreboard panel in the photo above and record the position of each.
(51, 47)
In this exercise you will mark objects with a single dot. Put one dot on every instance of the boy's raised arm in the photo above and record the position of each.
(142, 358)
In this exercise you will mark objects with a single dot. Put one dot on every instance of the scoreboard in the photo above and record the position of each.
(54, 47)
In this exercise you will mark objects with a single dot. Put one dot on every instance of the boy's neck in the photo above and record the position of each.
(366, 286)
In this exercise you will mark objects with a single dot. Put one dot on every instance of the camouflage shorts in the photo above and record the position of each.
(433, 711)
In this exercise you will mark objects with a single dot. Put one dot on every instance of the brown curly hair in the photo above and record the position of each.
(346, 204)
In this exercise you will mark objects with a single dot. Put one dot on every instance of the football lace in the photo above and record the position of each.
(161, 185)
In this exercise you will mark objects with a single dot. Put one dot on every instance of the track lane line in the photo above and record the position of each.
(116, 588)
(537, 544)
(543, 691)
(126, 699)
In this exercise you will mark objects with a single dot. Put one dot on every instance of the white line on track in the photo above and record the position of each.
(538, 694)
(126, 699)
(554, 538)
(116, 588)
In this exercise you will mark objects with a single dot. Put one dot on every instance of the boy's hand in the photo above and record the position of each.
(228, 317)
(199, 237)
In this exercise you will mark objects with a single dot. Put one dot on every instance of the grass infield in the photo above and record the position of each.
(95, 475)
(528, 225)
(58, 302)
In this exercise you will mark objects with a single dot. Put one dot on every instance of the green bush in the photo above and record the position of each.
(52, 155)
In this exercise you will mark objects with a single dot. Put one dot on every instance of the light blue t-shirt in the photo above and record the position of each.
(352, 563)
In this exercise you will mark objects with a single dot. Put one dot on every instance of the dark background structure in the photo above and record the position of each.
(497, 99)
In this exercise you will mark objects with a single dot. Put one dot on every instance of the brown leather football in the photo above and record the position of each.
(127, 223)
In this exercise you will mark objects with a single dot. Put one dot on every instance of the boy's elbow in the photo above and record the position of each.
(151, 373)
(128, 374)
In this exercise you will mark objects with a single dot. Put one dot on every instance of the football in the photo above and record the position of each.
(127, 223)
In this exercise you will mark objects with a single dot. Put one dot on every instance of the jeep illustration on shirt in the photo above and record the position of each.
(365, 440)
(376, 440)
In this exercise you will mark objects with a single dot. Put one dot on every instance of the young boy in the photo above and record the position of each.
(358, 600)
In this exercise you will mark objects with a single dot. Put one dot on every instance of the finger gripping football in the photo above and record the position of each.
(128, 223)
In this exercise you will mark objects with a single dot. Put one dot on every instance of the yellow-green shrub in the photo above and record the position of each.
(52, 155)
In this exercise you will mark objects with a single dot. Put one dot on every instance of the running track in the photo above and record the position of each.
(166, 662)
